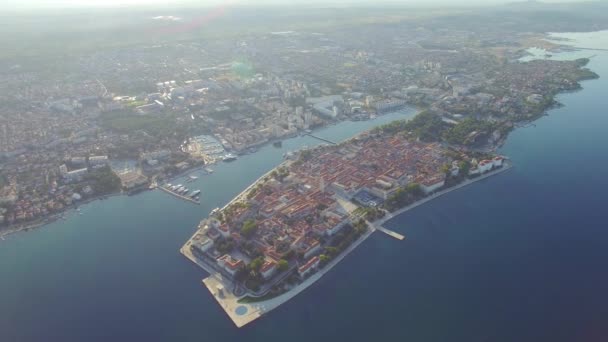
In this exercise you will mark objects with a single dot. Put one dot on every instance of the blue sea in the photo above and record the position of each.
(517, 257)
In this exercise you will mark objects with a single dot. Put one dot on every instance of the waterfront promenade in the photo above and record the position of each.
(506, 166)
(244, 313)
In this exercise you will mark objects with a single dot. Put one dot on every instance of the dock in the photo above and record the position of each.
(185, 198)
(390, 233)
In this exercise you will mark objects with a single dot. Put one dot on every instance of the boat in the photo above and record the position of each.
(185, 191)
(208, 170)
(229, 157)
(214, 211)
(195, 193)
(277, 143)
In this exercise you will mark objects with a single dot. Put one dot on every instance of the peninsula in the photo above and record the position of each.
(296, 222)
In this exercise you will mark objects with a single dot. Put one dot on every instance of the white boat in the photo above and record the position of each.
(229, 157)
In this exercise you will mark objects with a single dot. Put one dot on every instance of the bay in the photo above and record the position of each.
(516, 257)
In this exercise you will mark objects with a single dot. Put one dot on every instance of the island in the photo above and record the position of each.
(296, 222)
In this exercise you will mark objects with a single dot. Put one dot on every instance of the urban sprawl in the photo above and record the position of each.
(133, 117)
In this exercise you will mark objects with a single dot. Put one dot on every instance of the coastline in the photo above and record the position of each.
(43, 221)
(255, 310)
(506, 167)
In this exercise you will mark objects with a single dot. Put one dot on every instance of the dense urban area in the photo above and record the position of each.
(311, 208)
(123, 118)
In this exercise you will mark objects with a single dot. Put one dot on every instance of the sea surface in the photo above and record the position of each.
(517, 257)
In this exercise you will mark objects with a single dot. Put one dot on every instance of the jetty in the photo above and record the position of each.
(390, 233)
(180, 196)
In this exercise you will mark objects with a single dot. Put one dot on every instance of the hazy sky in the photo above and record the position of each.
(33, 4)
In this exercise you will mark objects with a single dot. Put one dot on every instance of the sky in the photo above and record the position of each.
(39, 4)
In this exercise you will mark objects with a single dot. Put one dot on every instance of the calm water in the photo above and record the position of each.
(517, 257)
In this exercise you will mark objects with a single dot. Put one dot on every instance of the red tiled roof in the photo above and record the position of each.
(308, 264)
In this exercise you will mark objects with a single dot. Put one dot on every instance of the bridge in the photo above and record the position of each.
(322, 139)
(590, 49)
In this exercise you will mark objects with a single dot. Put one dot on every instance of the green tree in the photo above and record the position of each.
(331, 251)
(323, 259)
(445, 168)
(460, 133)
(249, 228)
(104, 180)
(414, 189)
(464, 167)
(256, 264)
(283, 265)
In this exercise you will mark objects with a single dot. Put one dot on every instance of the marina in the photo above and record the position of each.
(182, 193)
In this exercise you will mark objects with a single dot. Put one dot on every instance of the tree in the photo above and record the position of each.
(305, 155)
(225, 246)
(414, 189)
(445, 168)
(404, 196)
(256, 264)
(283, 265)
(426, 126)
(464, 166)
(331, 251)
(249, 228)
(323, 259)
(460, 133)
(105, 180)
(321, 207)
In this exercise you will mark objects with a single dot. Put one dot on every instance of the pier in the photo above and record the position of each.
(185, 198)
(390, 233)
(322, 139)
